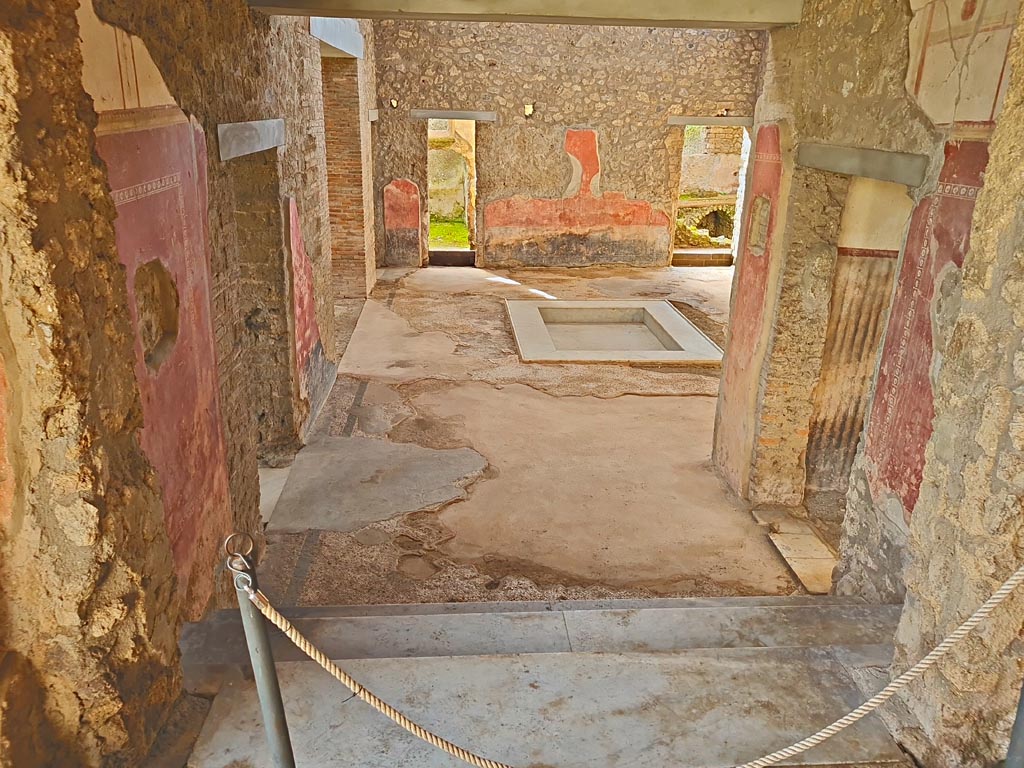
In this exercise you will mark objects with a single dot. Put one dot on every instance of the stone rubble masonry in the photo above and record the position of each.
(89, 605)
(623, 83)
(583, 226)
(838, 78)
(724, 140)
(967, 529)
(827, 90)
(798, 337)
(965, 103)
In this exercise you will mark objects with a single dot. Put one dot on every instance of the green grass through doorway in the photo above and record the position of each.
(449, 234)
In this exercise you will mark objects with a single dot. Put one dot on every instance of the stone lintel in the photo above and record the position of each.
(898, 167)
(453, 114)
(745, 122)
(237, 139)
(725, 14)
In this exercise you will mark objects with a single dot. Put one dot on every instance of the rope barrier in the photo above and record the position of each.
(263, 604)
(895, 686)
(899, 683)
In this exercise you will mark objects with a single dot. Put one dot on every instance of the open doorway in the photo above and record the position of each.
(451, 191)
(710, 189)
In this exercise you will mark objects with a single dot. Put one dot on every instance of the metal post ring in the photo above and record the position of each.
(243, 582)
(245, 540)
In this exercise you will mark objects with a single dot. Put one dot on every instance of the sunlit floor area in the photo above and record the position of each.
(443, 469)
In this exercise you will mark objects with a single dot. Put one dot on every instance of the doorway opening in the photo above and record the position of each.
(710, 189)
(451, 191)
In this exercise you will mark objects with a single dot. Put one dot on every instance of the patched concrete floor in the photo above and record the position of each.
(443, 469)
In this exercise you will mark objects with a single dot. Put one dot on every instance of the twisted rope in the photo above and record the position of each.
(895, 686)
(898, 683)
(263, 604)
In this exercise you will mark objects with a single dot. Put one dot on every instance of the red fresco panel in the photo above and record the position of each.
(158, 181)
(308, 349)
(401, 205)
(901, 415)
(741, 371)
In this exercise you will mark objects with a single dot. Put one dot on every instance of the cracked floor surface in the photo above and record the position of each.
(444, 469)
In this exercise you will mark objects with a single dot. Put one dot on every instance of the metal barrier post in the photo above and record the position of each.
(1015, 755)
(267, 687)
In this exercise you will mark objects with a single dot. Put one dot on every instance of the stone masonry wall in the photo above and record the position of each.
(966, 534)
(724, 140)
(798, 337)
(89, 605)
(622, 83)
(888, 475)
(246, 66)
(823, 88)
(839, 78)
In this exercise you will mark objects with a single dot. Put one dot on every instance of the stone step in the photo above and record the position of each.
(212, 649)
(697, 708)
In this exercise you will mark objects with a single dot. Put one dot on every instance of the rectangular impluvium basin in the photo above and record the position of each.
(608, 332)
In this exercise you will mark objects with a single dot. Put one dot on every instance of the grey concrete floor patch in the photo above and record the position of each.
(695, 709)
(346, 483)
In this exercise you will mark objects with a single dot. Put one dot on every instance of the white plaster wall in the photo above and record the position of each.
(957, 57)
(118, 71)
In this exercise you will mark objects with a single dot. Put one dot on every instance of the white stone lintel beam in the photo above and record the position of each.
(237, 139)
(453, 114)
(746, 122)
(721, 14)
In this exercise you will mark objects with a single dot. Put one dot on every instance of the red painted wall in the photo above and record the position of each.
(307, 330)
(741, 370)
(316, 373)
(900, 423)
(403, 224)
(158, 181)
(583, 227)
(401, 205)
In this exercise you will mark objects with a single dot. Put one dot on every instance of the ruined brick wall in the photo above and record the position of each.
(224, 63)
(89, 606)
(343, 119)
(623, 83)
(966, 534)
